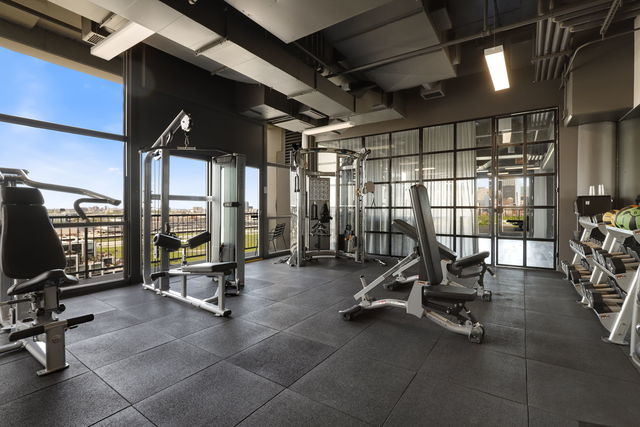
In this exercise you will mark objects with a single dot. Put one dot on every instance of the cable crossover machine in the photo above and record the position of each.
(224, 223)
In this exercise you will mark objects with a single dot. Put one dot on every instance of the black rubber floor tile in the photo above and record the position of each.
(103, 323)
(126, 296)
(146, 373)
(290, 409)
(395, 342)
(127, 417)
(507, 298)
(230, 337)
(329, 328)
(593, 356)
(80, 401)
(182, 324)
(282, 358)
(280, 316)
(278, 292)
(470, 365)
(85, 304)
(502, 339)
(19, 377)
(109, 348)
(430, 401)
(563, 305)
(361, 387)
(486, 312)
(317, 298)
(578, 395)
(246, 303)
(157, 307)
(541, 418)
(221, 395)
(589, 329)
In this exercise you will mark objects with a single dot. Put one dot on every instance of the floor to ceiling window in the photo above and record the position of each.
(66, 127)
(491, 184)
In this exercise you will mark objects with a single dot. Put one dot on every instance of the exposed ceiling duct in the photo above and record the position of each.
(393, 29)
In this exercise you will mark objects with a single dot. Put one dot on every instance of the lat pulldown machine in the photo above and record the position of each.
(224, 220)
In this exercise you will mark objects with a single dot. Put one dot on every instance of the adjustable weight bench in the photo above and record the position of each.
(469, 267)
(31, 250)
(443, 304)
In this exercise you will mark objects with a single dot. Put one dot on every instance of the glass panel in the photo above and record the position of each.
(511, 191)
(326, 162)
(401, 197)
(379, 145)
(406, 142)
(41, 90)
(511, 223)
(437, 166)
(377, 170)
(377, 243)
(443, 220)
(472, 163)
(541, 190)
(473, 192)
(347, 195)
(404, 214)
(540, 254)
(446, 241)
(541, 224)
(541, 158)
(466, 246)
(405, 169)
(471, 222)
(354, 144)
(510, 252)
(379, 197)
(401, 245)
(440, 192)
(476, 133)
(278, 207)
(347, 218)
(438, 138)
(510, 130)
(376, 220)
(541, 126)
(510, 160)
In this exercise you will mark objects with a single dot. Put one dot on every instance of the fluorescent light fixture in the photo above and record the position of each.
(123, 39)
(329, 128)
(497, 67)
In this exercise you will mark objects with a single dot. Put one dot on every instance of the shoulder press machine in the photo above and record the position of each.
(442, 303)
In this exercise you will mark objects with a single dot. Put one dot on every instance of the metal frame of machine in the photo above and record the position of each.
(225, 214)
(348, 162)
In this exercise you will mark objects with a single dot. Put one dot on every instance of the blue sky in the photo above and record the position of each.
(40, 90)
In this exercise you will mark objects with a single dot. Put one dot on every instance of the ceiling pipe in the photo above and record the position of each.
(592, 25)
(587, 11)
(615, 5)
(564, 45)
(439, 46)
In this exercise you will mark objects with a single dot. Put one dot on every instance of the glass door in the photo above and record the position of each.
(525, 190)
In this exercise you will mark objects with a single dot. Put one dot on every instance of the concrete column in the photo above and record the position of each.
(596, 156)
(628, 161)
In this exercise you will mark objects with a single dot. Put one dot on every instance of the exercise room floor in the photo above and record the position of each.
(286, 357)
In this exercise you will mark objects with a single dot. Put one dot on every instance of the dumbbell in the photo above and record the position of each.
(585, 264)
(576, 275)
(602, 305)
(619, 265)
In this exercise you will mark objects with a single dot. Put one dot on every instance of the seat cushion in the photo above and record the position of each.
(52, 277)
(471, 260)
(448, 293)
(210, 267)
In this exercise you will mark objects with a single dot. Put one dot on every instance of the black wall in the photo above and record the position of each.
(157, 87)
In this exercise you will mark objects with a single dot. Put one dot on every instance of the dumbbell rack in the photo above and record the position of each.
(618, 323)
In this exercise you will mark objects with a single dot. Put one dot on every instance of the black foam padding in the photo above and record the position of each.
(429, 250)
(22, 196)
(199, 239)
(30, 244)
(167, 242)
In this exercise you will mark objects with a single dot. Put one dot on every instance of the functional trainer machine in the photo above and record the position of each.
(32, 269)
(442, 303)
(224, 220)
(471, 267)
(311, 236)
